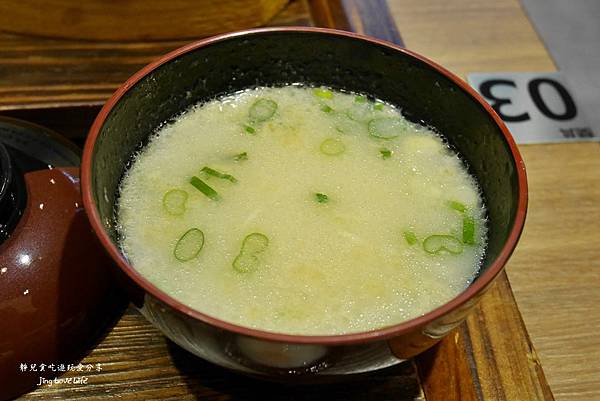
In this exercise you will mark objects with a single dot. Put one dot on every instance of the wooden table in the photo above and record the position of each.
(555, 271)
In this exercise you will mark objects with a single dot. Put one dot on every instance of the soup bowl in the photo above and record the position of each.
(204, 70)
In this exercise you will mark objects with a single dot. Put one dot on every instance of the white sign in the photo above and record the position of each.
(536, 107)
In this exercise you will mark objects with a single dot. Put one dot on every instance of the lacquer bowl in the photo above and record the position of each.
(206, 69)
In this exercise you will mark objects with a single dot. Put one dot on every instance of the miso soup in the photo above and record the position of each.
(302, 210)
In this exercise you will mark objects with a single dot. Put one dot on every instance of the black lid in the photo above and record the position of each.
(26, 147)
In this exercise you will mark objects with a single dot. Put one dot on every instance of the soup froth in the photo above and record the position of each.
(303, 211)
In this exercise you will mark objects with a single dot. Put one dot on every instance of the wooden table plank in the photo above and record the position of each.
(471, 35)
(555, 271)
(133, 20)
(488, 358)
(371, 17)
(41, 72)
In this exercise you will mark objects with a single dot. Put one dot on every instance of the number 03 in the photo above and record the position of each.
(533, 87)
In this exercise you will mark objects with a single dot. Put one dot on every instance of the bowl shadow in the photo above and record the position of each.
(206, 381)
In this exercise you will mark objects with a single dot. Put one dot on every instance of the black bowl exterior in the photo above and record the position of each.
(342, 61)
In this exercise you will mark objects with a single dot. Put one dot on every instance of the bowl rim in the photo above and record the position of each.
(384, 333)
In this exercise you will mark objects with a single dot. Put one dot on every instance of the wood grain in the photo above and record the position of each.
(555, 271)
(42, 73)
(134, 19)
(366, 17)
(488, 358)
(471, 35)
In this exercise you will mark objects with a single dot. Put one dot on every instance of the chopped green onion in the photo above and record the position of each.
(218, 174)
(332, 147)
(458, 206)
(348, 126)
(360, 99)
(386, 128)
(385, 153)
(360, 112)
(326, 109)
(204, 188)
(262, 110)
(241, 156)
(253, 245)
(468, 230)
(249, 129)
(321, 198)
(410, 237)
(323, 93)
(189, 245)
(468, 234)
(174, 201)
(437, 244)
(378, 106)
(245, 262)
